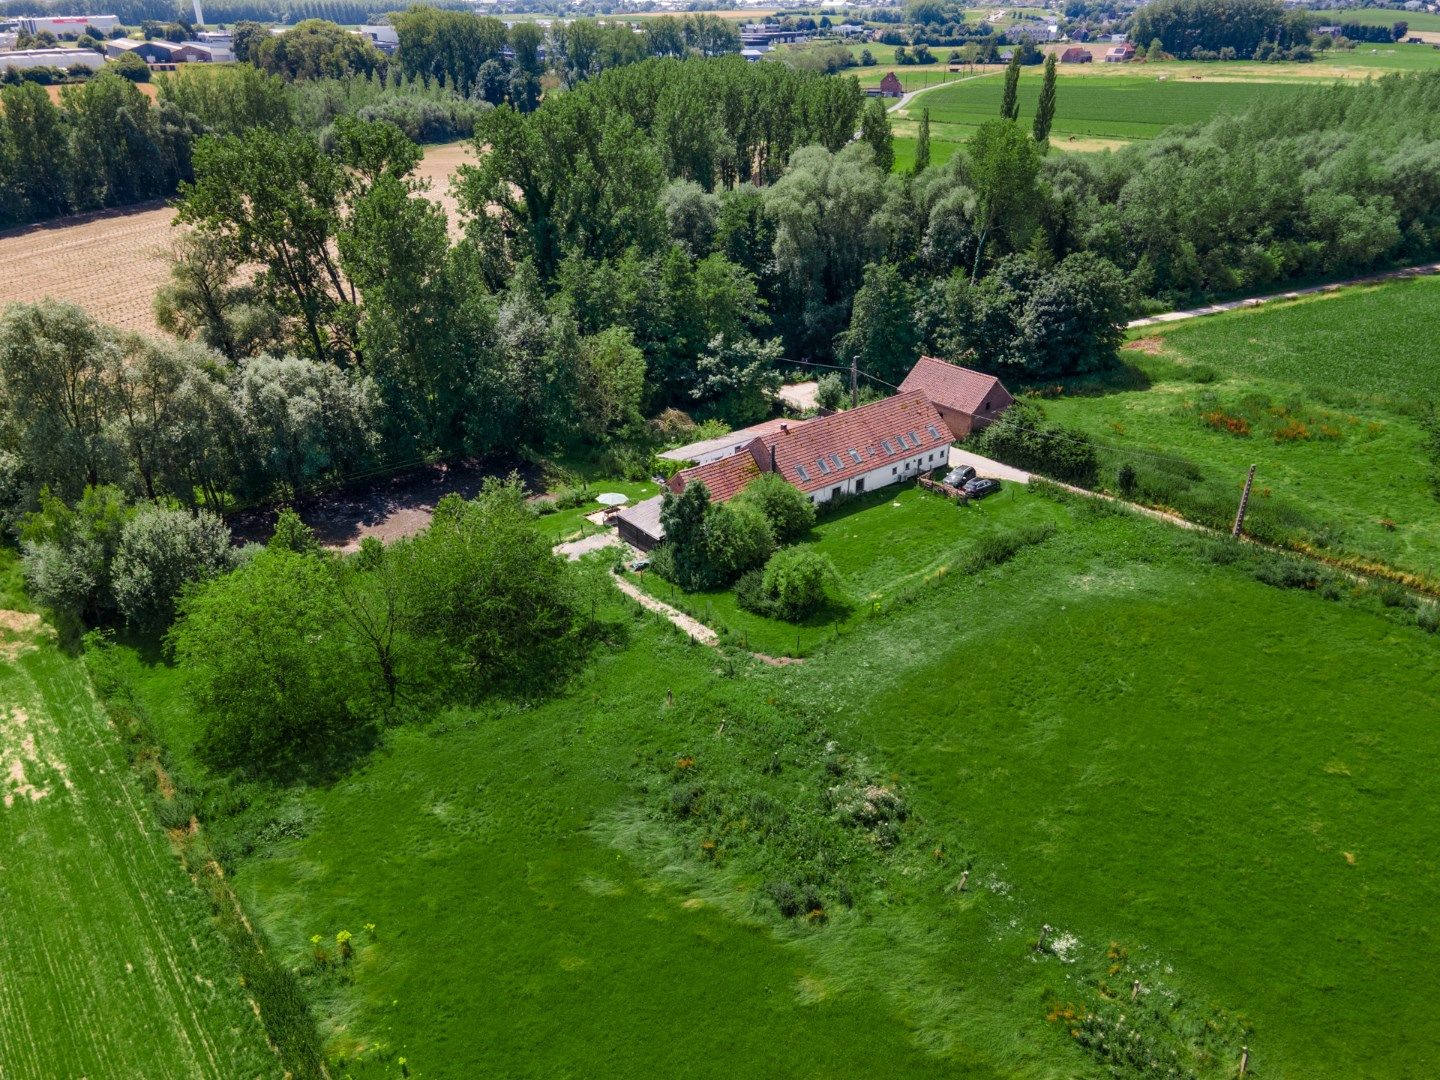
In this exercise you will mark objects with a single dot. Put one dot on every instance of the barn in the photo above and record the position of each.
(967, 400)
(1077, 55)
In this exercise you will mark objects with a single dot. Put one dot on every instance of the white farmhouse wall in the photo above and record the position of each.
(892, 472)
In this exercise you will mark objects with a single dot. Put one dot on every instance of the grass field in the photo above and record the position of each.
(1332, 389)
(109, 964)
(1171, 764)
(883, 545)
(1416, 20)
(1119, 107)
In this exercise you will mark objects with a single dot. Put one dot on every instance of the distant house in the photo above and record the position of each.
(1076, 55)
(890, 86)
(967, 400)
(1120, 54)
(385, 38)
(850, 30)
(845, 453)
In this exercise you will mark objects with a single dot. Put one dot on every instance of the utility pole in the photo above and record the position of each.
(1244, 503)
(854, 381)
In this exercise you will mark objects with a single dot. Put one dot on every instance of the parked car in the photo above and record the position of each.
(637, 565)
(960, 475)
(980, 486)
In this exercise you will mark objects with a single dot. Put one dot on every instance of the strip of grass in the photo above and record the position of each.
(1415, 20)
(1119, 738)
(109, 962)
(1331, 390)
(884, 545)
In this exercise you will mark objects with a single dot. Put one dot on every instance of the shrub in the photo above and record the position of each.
(736, 538)
(1223, 421)
(160, 552)
(1021, 438)
(830, 391)
(1427, 617)
(795, 581)
(1125, 479)
(789, 511)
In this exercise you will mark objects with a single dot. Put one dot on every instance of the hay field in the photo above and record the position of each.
(111, 262)
(109, 963)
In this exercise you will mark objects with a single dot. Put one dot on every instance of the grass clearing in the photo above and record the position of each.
(109, 962)
(1329, 389)
(884, 545)
(1118, 738)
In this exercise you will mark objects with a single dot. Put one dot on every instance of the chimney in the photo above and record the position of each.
(773, 467)
(784, 430)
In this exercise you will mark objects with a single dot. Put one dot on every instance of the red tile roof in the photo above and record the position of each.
(724, 477)
(858, 441)
(956, 387)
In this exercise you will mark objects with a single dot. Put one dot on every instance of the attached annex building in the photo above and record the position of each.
(846, 453)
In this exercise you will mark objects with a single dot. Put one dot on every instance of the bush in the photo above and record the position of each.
(1021, 438)
(830, 391)
(160, 552)
(789, 510)
(1427, 617)
(736, 538)
(795, 581)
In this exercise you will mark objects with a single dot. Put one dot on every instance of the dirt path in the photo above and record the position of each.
(1423, 270)
(694, 627)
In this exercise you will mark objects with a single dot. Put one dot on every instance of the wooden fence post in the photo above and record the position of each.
(1244, 503)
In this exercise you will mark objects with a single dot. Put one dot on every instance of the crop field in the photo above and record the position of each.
(1122, 107)
(109, 965)
(112, 263)
(1117, 733)
(1326, 395)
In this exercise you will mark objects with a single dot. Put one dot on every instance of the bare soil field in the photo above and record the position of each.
(111, 263)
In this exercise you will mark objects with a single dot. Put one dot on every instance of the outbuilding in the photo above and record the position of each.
(968, 400)
(1077, 55)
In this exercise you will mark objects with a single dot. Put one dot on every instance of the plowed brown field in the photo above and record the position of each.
(111, 263)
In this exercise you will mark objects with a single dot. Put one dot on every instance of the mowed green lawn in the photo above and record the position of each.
(109, 965)
(1117, 738)
(883, 545)
(1346, 375)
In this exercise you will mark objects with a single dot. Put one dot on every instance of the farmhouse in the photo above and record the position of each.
(966, 400)
(1076, 55)
(846, 453)
(1120, 54)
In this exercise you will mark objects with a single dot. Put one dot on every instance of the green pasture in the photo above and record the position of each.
(109, 963)
(1416, 20)
(1092, 106)
(1172, 765)
(1334, 391)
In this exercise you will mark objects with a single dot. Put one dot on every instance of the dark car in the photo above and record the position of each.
(980, 486)
(961, 474)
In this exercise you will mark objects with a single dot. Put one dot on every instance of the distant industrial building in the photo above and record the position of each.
(170, 52)
(384, 38)
(70, 24)
(25, 59)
